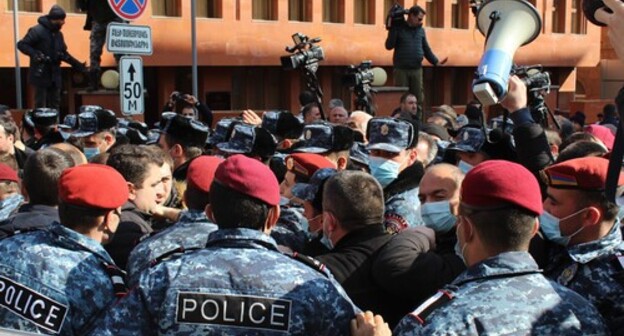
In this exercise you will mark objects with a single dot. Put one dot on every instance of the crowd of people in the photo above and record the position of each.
(284, 223)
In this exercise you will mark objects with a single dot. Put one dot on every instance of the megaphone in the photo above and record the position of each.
(507, 25)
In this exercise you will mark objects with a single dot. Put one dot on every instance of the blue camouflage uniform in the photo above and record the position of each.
(503, 295)
(596, 271)
(54, 281)
(9, 205)
(291, 229)
(190, 232)
(402, 211)
(239, 284)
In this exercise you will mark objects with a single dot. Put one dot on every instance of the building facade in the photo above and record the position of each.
(240, 43)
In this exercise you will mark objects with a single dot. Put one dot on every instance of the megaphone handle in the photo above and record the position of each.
(617, 153)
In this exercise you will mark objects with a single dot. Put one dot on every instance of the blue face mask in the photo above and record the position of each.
(383, 170)
(464, 166)
(90, 152)
(459, 251)
(325, 241)
(550, 226)
(284, 200)
(438, 216)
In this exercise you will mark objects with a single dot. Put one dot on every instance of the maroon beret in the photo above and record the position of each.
(201, 172)
(497, 184)
(304, 165)
(94, 186)
(250, 177)
(7, 173)
(586, 173)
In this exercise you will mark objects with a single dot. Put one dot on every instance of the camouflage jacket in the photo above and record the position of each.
(503, 295)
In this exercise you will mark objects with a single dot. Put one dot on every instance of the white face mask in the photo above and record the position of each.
(551, 227)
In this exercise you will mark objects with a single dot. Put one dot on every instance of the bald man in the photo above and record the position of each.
(358, 121)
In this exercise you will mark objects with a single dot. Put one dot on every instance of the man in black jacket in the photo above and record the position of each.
(409, 41)
(99, 15)
(353, 210)
(45, 45)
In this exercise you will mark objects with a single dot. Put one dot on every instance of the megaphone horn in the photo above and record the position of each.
(507, 25)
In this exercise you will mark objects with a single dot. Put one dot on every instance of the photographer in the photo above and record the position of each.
(409, 41)
(188, 106)
(45, 45)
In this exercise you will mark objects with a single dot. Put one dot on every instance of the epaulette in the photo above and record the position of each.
(169, 254)
(117, 276)
(310, 262)
(426, 308)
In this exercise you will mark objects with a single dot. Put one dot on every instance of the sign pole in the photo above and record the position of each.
(194, 45)
(18, 72)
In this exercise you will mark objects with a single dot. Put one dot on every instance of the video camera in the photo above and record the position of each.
(305, 52)
(358, 75)
(533, 77)
(396, 16)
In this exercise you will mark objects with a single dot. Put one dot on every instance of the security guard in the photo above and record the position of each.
(393, 161)
(183, 139)
(579, 217)
(502, 291)
(192, 229)
(58, 280)
(239, 284)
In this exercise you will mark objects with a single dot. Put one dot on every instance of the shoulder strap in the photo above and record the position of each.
(169, 254)
(310, 262)
(430, 305)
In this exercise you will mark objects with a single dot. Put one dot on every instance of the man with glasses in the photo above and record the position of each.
(409, 41)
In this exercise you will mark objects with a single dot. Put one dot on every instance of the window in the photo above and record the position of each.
(578, 22)
(435, 14)
(364, 11)
(333, 11)
(264, 10)
(460, 14)
(25, 5)
(300, 10)
(166, 8)
(69, 6)
(210, 9)
(558, 16)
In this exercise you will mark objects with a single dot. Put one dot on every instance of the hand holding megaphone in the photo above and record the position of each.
(516, 98)
(615, 22)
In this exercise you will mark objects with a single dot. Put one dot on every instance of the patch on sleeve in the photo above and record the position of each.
(426, 308)
(234, 310)
(31, 305)
(394, 222)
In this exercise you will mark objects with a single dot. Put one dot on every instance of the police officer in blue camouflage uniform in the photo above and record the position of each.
(393, 161)
(333, 142)
(578, 217)
(502, 292)
(59, 279)
(467, 148)
(192, 229)
(240, 284)
(258, 143)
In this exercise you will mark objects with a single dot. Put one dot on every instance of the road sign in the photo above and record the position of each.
(128, 39)
(128, 9)
(131, 85)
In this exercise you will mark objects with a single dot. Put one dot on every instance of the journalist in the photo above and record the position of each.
(45, 45)
(409, 41)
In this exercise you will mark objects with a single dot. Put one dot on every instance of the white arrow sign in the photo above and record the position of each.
(131, 85)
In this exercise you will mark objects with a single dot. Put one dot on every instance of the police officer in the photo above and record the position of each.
(393, 161)
(331, 141)
(45, 121)
(58, 280)
(502, 291)
(240, 283)
(192, 229)
(41, 176)
(183, 139)
(578, 217)
(96, 129)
